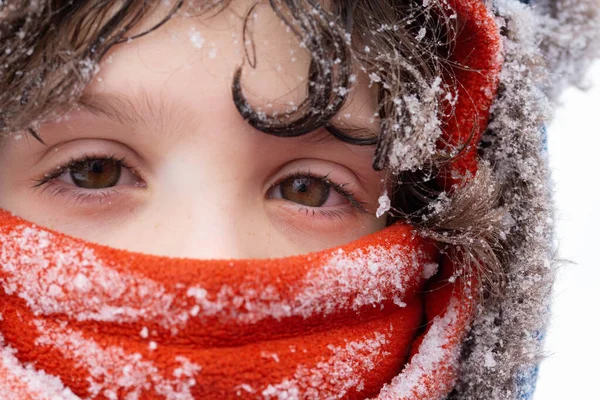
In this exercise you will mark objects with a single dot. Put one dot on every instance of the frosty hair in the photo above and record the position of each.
(51, 49)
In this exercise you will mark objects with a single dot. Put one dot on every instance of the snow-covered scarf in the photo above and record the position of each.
(80, 320)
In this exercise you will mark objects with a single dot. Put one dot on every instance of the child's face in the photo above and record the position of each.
(162, 162)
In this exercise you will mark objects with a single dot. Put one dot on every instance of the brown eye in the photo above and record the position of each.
(96, 173)
(305, 190)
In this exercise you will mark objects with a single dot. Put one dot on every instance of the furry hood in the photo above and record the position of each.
(548, 45)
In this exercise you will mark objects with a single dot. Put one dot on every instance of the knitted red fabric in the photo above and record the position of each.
(114, 324)
(477, 61)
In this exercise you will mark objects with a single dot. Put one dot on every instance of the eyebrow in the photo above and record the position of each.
(157, 113)
(143, 109)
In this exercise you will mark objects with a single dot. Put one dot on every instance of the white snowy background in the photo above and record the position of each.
(573, 341)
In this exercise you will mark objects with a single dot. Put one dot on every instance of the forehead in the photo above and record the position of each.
(199, 53)
(190, 62)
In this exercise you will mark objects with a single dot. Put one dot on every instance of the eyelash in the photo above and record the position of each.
(333, 214)
(76, 195)
(62, 169)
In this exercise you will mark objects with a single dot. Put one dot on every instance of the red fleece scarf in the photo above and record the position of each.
(79, 320)
(85, 321)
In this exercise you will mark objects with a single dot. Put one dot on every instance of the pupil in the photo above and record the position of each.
(97, 166)
(305, 190)
(96, 174)
(301, 185)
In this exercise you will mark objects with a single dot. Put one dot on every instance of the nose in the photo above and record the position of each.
(208, 212)
(220, 231)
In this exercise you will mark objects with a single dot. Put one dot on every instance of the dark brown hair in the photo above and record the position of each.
(51, 49)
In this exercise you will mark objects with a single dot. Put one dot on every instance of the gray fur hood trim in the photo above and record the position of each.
(547, 46)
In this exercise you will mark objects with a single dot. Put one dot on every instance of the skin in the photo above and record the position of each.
(203, 184)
